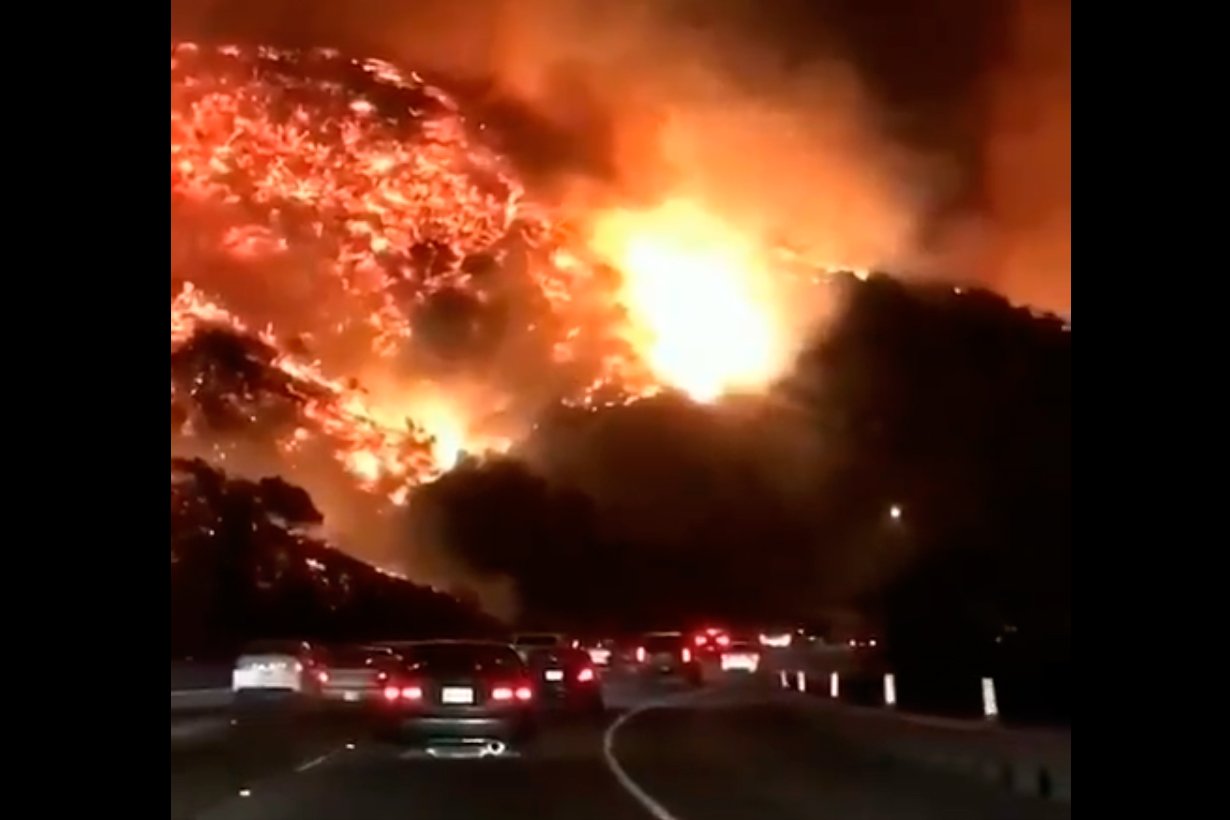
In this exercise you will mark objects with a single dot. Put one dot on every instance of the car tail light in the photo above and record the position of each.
(502, 693)
(322, 676)
(723, 640)
(687, 655)
(585, 675)
(392, 693)
(382, 676)
(524, 693)
(640, 654)
(699, 640)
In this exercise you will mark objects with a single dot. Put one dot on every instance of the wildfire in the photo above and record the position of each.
(696, 288)
(330, 214)
(341, 216)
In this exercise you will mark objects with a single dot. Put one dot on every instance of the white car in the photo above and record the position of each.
(272, 670)
(741, 657)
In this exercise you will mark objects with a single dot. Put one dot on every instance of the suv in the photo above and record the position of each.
(667, 654)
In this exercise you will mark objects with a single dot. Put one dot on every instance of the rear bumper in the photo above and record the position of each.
(268, 695)
(342, 698)
(508, 728)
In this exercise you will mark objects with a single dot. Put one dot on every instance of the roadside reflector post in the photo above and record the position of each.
(834, 684)
(800, 680)
(890, 689)
(990, 707)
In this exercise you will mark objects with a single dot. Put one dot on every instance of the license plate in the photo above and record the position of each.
(457, 694)
(555, 674)
(350, 696)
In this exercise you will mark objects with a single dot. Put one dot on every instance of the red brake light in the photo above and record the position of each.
(502, 693)
(392, 693)
(640, 654)
(700, 640)
(382, 676)
(723, 640)
(524, 693)
(322, 676)
(687, 655)
(585, 675)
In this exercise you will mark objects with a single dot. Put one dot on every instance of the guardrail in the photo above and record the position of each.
(199, 687)
(1032, 761)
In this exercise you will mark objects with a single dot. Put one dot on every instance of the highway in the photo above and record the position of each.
(737, 748)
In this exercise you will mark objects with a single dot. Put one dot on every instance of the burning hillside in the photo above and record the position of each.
(343, 253)
(360, 282)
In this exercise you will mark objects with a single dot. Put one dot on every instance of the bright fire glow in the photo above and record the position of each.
(693, 288)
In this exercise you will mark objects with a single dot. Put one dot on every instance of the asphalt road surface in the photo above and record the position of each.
(733, 749)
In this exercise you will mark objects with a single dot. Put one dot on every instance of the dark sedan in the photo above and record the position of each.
(460, 698)
(566, 680)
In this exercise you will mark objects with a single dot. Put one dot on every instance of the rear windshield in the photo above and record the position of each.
(537, 640)
(274, 648)
(359, 655)
(659, 643)
(461, 656)
(557, 657)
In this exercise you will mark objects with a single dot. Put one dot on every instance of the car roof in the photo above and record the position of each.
(446, 642)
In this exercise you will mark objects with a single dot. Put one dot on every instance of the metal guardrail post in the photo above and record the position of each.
(990, 706)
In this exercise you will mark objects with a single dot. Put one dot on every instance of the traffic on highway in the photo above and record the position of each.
(532, 726)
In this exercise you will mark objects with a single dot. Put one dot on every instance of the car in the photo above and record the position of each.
(667, 654)
(459, 698)
(566, 680)
(777, 638)
(602, 652)
(525, 641)
(358, 674)
(277, 671)
(740, 656)
(710, 641)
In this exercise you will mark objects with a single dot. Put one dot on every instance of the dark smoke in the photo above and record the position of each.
(899, 133)
(953, 406)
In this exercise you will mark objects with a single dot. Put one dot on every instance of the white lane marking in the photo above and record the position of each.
(314, 762)
(655, 809)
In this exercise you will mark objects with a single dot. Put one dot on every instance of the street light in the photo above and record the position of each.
(894, 512)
